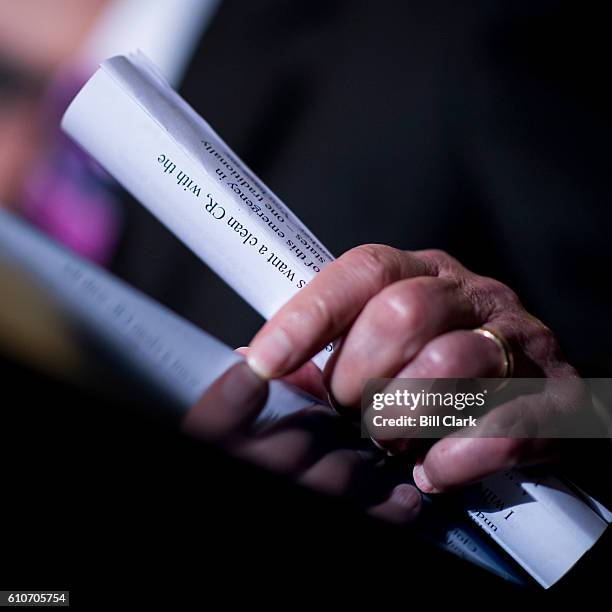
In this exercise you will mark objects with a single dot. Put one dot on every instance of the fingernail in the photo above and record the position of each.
(421, 479)
(269, 354)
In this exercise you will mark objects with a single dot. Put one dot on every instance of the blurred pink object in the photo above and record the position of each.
(67, 195)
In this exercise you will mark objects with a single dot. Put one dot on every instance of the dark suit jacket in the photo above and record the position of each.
(481, 128)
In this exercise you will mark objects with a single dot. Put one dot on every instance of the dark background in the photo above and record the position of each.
(127, 510)
(482, 128)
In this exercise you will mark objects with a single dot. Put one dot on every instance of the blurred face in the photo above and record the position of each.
(36, 37)
(42, 34)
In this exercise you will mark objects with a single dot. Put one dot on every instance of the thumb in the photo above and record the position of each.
(453, 462)
(228, 406)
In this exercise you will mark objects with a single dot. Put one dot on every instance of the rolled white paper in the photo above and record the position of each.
(138, 128)
(130, 120)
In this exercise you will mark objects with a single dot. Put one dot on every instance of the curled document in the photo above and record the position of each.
(168, 353)
(173, 358)
(132, 122)
(145, 135)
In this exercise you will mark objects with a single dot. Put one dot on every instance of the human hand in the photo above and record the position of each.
(313, 447)
(412, 315)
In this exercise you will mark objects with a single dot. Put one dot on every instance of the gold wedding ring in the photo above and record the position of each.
(504, 348)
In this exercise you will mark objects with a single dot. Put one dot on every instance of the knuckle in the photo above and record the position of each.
(500, 294)
(435, 255)
(440, 260)
(318, 310)
(441, 360)
(321, 310)
(540, 343)
(491, 297)
(379, 262)
(546, 335)
(400, 308)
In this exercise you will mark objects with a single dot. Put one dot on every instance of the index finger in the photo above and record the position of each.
(324, 308)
